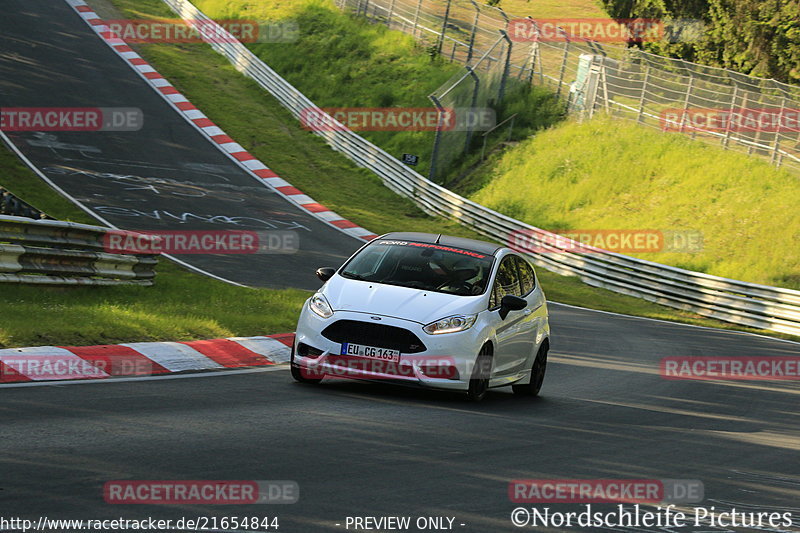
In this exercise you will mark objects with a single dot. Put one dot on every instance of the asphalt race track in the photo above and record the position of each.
(166, 176)
(360, 449)
(355, 449)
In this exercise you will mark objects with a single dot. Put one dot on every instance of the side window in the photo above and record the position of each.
(506, 282)
(526, 276)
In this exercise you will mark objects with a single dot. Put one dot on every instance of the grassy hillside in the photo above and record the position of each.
(553, 8)
(610, 174)
(345, 61)
(276, 9)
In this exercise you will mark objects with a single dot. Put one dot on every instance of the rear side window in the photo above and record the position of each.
(506, 282)
(526, 276)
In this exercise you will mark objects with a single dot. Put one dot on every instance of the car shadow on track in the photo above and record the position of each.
(500, 398)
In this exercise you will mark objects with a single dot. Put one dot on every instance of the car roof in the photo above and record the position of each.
(446, 240)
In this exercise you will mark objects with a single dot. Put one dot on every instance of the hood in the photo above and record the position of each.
(416, 305)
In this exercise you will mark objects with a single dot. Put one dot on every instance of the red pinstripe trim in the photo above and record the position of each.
(222, 139)
(117, 360)
(343, 224)
(315, 207)
(229, 354)
(243, 156)
(9, 375)
(265, 173)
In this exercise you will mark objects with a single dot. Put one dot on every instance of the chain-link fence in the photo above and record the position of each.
(753, 115)
(481, 86)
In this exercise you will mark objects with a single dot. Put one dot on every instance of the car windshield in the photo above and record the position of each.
(424, 266)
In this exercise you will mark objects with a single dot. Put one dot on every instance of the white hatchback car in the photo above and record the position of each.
(430, 310)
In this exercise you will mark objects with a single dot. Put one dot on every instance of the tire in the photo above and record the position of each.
(297, 373)
(538, 370)
(479, 381)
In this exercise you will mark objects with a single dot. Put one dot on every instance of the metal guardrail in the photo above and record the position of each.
(747, 304)
(52, 252)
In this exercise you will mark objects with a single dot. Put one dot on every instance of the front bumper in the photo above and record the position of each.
(445, 363)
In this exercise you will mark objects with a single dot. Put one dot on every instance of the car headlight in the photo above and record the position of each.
(451, 324)
(320, 306)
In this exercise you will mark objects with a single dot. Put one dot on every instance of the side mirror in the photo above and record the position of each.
(325, 273)
(511, 303)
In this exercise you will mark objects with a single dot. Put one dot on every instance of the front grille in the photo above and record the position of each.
(378, 335)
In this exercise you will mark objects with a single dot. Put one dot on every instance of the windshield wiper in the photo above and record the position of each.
(350, 275)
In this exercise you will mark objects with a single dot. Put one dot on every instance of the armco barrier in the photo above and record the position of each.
(748, 304)
(53, 252)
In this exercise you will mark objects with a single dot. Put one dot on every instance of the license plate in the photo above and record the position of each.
(371, 352)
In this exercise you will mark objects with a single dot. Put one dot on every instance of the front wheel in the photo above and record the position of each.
(479, 381)
(537, 375)
(300, 375)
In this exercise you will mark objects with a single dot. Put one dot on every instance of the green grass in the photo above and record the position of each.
(346, 61)
(343, 61)
(21, 182)
(611, 174)
(276, 9)
(183, 305)
(553, 8)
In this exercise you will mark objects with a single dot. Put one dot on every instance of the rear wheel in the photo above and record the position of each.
(479, 381)
(537, 375)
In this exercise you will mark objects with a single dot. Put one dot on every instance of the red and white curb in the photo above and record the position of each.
(139, 359)
(235, 151)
